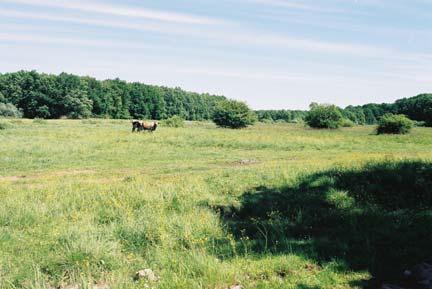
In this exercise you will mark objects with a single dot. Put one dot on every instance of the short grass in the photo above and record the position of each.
(88, 202)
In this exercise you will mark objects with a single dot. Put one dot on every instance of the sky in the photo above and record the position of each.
(273, 54)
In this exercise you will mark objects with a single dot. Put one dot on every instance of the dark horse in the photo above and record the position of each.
(138, 125)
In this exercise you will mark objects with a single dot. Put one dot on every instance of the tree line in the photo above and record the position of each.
(284, 115)
(418, 108)
(40, 95)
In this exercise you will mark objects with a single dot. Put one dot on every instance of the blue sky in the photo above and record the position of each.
(269, 53)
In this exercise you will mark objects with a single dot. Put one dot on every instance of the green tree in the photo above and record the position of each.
(394, 124)
(42, 112)
(417, 108)
(77, 104)
(9, 110)
(233, 114)
(324, 116)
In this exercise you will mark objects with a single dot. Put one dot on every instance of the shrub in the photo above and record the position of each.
(420, 123)
(174, 121)
(43, 112)
(324, 116)
(9, 110)
(394, 124)
(267, 120)
(347, 123)
(297, 120)
(4, 125)
(233, 114)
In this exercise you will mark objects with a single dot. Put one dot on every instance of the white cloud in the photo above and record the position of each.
(221, 36)
(115, 23)
(94, 7)
(283, 3)
(44, 39)
(296, 5)
(233, 73)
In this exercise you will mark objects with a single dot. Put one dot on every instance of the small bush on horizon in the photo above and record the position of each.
(267, 120)
(420, 123)
(9, 110)
(394, 124)
(174, 121)
(4, 125)
(233, 114)
(347, 123)
(324, 116)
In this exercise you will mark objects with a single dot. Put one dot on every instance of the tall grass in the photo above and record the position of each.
(376, 217)
(90, 203)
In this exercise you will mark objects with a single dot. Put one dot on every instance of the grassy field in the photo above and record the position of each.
(272, 206)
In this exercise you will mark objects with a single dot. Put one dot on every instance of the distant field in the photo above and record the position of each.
(88, 202)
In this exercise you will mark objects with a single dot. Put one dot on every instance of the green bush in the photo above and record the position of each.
(394, 124)
(4, 125)
(347, 123)
(43, 112)
(297, 120)
(9, 110)
(420, 123)
(174, 121)
(267, 120)
(233, 114)
(324, 116)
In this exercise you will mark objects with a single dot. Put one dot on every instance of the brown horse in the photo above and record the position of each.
(150, 125)
(144, 125)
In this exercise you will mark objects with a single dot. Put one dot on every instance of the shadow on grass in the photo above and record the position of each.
(376, 218)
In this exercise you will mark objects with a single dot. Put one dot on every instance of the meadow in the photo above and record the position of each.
(272, 206)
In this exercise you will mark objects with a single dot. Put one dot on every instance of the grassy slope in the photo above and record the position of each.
(89, 202)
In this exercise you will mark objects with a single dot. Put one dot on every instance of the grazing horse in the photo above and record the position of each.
(144, 125)
(137, 125)
(150, 126)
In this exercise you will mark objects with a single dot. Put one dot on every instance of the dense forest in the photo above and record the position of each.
(418, 108)
(66, 95)
(33, 94)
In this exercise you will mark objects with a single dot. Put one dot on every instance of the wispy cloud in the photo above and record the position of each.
(282, 3)
(74, 41)
(118, 10)
(296, 5)
(226, 36)
(112, 23)
(233, 73)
